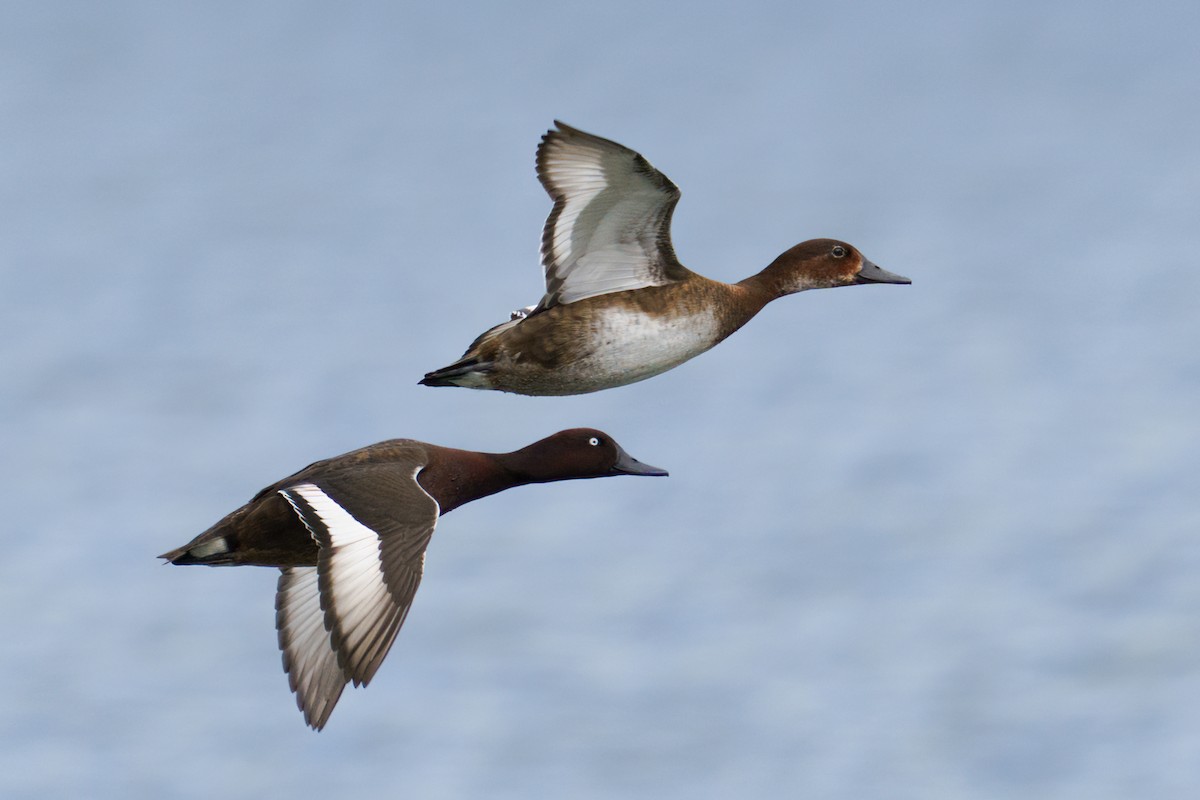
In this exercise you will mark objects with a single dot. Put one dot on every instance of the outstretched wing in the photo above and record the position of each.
(610, 228)
(337, 621)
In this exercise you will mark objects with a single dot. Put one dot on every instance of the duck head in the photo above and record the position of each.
(823, 264)
(579, 453)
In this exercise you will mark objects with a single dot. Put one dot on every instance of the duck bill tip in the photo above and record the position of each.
(872, 273)
(628, 465)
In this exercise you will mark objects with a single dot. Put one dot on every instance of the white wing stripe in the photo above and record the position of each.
(343, 529)
(357, 600)
(361, 613)
(338, 620)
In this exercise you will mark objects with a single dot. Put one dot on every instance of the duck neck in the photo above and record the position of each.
(528, 465)
(776, 280)
(475, 475)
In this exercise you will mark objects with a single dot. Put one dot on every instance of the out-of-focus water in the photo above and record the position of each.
(918, 542)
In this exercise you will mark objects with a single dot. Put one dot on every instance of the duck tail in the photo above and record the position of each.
(470, 369)
(213, 548)
(460, 373)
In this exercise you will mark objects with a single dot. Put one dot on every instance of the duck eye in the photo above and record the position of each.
(838, 251)
(594, 442)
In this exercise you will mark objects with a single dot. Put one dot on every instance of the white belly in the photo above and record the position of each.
(629, 347)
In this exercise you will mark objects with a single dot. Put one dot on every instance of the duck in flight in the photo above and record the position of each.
(349, 535)
(619, 307)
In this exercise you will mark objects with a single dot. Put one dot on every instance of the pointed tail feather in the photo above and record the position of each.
(212, 551)
(453, 374)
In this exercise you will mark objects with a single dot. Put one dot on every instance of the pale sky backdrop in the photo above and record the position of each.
(934, 541)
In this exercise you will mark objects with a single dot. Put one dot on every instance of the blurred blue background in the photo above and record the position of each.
(936, 541)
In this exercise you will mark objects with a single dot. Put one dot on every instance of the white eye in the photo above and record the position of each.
(838, 251)
(594, 442)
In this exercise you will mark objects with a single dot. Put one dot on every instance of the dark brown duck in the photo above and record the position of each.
(349, 534)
